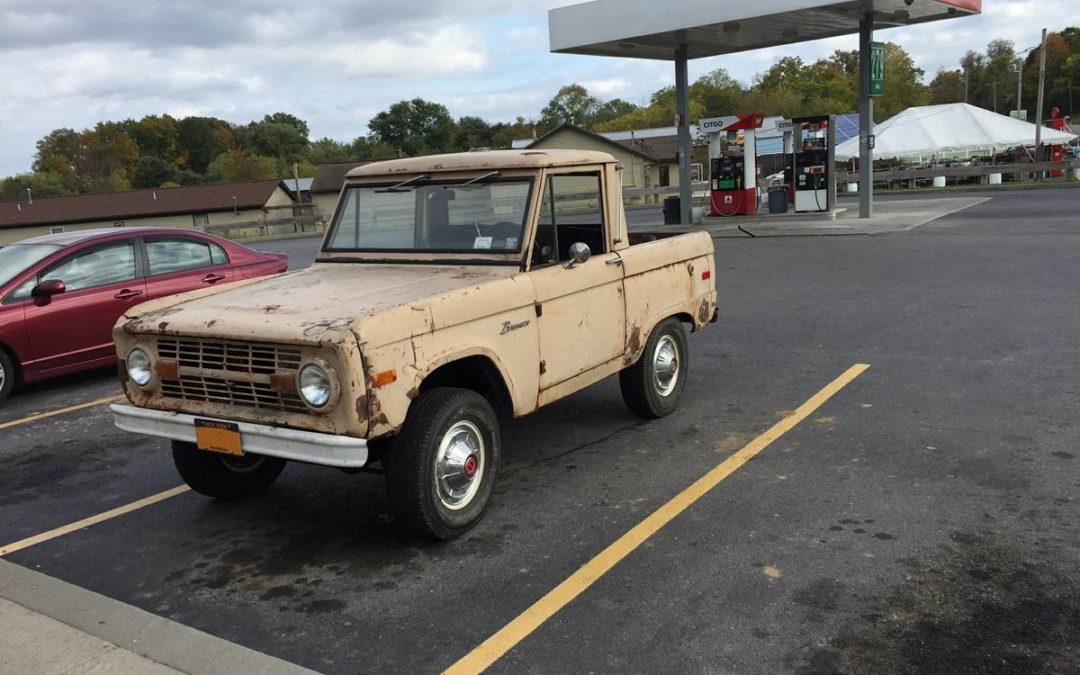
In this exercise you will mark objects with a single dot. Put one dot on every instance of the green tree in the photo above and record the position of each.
(572, 104)
(196, 144)
(947, 87)
(277, 139)
(293, 121)
(904, 87)
(151, 171)
(717, 92)
(415, 127)
(237, 166)
(329, 151)
(473, 132)
(156, 136)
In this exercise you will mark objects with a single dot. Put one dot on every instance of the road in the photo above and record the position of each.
(924, 519)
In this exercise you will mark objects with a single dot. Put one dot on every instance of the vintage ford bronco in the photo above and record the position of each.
(448, 289)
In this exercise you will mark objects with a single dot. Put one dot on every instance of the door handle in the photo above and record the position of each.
(127, 294)
(212, 278)
(615, 261)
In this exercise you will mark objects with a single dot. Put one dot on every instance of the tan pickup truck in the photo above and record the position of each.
(448, 290)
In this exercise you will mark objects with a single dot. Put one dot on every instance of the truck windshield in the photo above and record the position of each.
(17, 258)
(447, 217)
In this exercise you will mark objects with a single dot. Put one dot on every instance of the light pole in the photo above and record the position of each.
(1018, 68)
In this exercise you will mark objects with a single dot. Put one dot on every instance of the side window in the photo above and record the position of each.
(572, 211)
(176, 255)
(23, 291)
(217, 255)
(97, 267)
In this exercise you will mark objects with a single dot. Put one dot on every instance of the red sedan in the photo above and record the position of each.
(61, 294)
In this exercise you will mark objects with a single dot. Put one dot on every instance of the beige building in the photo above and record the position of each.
(326, 187)
(222, 209)
(636, 164)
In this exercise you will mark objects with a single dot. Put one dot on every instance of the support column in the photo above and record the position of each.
(866, 120)
(686, 148)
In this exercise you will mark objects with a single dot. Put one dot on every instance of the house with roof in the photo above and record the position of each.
(326, 187)
(636, 163)
(214, 207)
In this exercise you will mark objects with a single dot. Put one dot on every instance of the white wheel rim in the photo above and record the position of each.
(666, 364)
(459, 465)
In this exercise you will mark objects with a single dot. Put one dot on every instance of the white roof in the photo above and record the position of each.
(952, 127)
(647, 29)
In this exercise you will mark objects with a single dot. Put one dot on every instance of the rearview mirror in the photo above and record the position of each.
(43, 292)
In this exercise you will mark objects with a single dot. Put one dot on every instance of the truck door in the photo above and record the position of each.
(582, 314)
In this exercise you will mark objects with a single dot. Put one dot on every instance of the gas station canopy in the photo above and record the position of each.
(646, 29)
(680, 30)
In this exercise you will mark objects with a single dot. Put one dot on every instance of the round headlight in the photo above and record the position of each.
(314, 385)
(138, 367)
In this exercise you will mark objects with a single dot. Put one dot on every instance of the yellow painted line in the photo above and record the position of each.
(492, 649)
(61, 411)
(92, 520)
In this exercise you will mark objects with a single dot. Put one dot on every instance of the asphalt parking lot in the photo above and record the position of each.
(922, 519)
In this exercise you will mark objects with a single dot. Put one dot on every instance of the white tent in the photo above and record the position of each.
(949, 128)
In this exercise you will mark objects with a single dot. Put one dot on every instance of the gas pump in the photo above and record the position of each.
(733, 164)
(811, 163)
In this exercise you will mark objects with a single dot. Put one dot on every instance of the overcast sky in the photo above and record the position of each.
(336, 63)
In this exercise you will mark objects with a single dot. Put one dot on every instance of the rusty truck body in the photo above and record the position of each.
(449, 291)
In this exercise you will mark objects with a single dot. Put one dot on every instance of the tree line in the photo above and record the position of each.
(162, 151)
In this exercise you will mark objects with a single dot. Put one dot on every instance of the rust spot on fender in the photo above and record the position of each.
(211, 323)
(633, 345)
(413, 393)
(271, 309)
(162, 326)
(703, 312)
(362, 408)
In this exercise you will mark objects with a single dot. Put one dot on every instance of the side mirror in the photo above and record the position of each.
(43, 292)
(579, 255)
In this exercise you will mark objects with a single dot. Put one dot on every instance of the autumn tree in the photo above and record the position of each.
(573, 104)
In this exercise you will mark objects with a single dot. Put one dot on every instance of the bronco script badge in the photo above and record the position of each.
(508, 327)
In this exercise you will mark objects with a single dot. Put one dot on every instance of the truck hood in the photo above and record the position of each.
(322, 304)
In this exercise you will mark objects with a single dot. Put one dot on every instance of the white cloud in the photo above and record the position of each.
(336, 63)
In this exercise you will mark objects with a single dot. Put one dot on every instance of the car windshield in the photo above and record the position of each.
(16, 258)
(480, 216)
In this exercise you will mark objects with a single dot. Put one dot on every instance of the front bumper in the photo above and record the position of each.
(312, 447)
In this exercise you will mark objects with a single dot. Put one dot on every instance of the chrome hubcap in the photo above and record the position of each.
(665, 365)
(459, 465)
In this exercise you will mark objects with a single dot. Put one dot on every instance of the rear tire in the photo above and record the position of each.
(222, 476)
(7, 376)
(441, 472)
(652, 386)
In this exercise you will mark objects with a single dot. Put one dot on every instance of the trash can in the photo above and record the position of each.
(777, 199)
(672, 211)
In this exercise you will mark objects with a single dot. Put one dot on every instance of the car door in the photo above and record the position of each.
(178, 263)
(582, 315)
(75, 327)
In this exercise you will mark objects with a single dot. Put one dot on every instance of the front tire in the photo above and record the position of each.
(652, 386)
(7, 376)
(441, 472)
(222, 476)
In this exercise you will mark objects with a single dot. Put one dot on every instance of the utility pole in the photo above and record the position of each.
(1019, 65)
(1039, 105)
(995, 86)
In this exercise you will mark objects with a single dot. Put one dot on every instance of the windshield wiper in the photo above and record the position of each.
(479, 179)
(404, 185)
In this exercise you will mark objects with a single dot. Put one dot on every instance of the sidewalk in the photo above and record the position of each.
(889, 216)
(49, 626)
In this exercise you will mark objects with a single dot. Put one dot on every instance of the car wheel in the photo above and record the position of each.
(652, 386)
(441, 471)
(222, 476)
(7, 376)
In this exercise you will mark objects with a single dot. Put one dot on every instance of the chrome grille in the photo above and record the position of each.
(233, 357)
(232, 392)
(232, 373)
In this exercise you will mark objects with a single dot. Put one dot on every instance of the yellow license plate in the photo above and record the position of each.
(214, 436)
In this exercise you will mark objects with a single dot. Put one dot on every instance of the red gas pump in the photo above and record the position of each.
(733, 164)
(1057, 152)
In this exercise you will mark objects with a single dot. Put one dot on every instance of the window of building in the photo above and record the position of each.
(201, 220)
(168, 255)
(665, 175)
(571, 212)
(97, 267)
